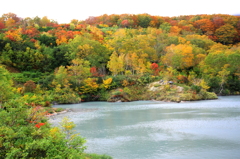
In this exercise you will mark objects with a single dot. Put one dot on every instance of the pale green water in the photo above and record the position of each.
(153, 130)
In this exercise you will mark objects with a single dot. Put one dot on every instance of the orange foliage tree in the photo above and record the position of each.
(14, 35)
(2, 26)
(64, 35)
(226, 34)
(31, 32)
(205, 25)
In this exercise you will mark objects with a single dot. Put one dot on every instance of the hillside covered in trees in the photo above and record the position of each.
(85, 60)
(106, 58)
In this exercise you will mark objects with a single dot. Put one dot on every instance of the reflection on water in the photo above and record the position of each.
(151, 129)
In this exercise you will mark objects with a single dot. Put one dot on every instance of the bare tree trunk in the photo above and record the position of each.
(221, 89)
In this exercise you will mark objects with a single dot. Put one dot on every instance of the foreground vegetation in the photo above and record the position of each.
(25, 133)
(106, 58)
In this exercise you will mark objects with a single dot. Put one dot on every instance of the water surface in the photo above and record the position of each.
(153, 129)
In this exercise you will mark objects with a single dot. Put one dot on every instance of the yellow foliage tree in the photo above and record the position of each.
(61, 77)
(90, 86)
(182, 40)
(192, 78)
(61, 40)
(84, 50)
(78, 70)
(203, 84)
(223, 74)
(125, 83)
(179, 56)
(217, 48)
(14, 35)
(10, 22)
(141, 67)
(175, 30)
(116, 64)
(107, 83)
(133, 62)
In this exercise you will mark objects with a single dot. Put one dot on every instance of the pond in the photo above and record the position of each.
(154, 129)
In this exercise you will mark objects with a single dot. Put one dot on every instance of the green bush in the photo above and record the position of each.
(103, 95)
(211, 95)
(136, 92)
(117, 81)
(46, 81)
(27, 76)
(196, 88)
(117, 95)
(32, 98)
(226, 92)
(207, 95)
(186, 96)
(22, 135)
(59, 109)
(156, 85)
(49, 110)
(65, 95)
(143, 80)
(96, 156)
(118, 92)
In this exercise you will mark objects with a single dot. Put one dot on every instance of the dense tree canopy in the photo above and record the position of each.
(123, 44)
(108, 57)
(120, 44)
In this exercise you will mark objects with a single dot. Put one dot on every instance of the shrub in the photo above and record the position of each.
(27, 76)
(29, 86)
(186, 96)
(25, 136)
(196, 88)
(119, 94)
(167, 87)
(65, 95)
(127, 90)
(103, 95)
(143, 80)
(96, 156)
(46, 81)
(107, 83)
(207, 95)
(182, 79)
(156, 85)
(33, 99)
(90, 86)
(211, 95)
(59, 109)
(49, 110)
(125, 83)
(225, 92)
(117, 81)
(136, 92)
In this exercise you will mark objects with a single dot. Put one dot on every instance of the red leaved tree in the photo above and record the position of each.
(155, 68)
(94, 71)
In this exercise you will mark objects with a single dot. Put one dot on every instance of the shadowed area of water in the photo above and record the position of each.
(153, 130)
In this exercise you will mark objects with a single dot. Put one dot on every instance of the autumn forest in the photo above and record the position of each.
(111, 58)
